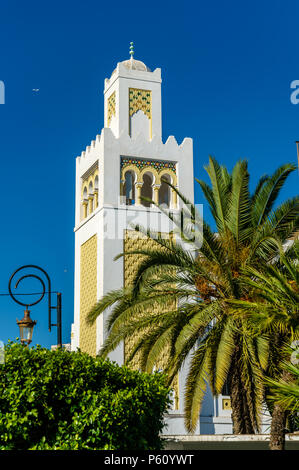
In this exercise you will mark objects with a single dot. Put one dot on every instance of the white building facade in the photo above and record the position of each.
(127, 161)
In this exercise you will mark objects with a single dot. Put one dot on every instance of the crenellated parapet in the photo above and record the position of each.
(91, 152)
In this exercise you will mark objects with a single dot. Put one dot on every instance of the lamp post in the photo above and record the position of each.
(26, 325)
(26, 328)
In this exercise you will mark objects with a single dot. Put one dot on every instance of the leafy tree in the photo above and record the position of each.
(70, 400)
(197, 277)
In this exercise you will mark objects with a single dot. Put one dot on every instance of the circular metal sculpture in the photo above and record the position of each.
(26, 324)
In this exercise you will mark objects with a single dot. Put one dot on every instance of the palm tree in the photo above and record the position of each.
(286, 393)
(273, 311)
(178, 298)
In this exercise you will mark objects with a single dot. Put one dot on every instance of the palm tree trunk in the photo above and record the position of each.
(240, 413)
(279, 415)
(278, 423)
(237, 405)
(279, 419)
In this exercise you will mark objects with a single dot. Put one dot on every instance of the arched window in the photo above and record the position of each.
(129, 188)
(164, 191)
(147, 188)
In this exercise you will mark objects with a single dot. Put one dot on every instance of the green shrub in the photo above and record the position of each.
(70, 400)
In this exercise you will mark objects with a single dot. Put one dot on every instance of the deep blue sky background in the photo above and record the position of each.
(226, 70)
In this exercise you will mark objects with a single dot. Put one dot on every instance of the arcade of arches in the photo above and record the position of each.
(141, 181)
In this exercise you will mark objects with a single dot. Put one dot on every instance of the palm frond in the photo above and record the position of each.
(208, 193)
(121, 296)
(282, 221)
(196, 385)
(220, 192)
(262, 181)
(225, 350)
(238, 214)
(269, 192)
(283, 392)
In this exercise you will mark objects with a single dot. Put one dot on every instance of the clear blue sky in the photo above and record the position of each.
(226, 70)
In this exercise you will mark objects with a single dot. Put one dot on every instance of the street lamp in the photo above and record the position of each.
(26, 325)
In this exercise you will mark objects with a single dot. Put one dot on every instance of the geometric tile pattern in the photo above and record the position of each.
(111, 107)
(140, 100)
(131, 262)
(88, 294)
(141, 163)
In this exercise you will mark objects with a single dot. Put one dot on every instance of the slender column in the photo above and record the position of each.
(174, 199)
(85, 205)
(156, 193)
(90, 203)
(96, 198)
(138, 187)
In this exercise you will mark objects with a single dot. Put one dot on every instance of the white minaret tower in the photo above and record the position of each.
(138, 111)
(124, 163)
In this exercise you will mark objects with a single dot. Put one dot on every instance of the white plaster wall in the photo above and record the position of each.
(120, 81)
(140, 124)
